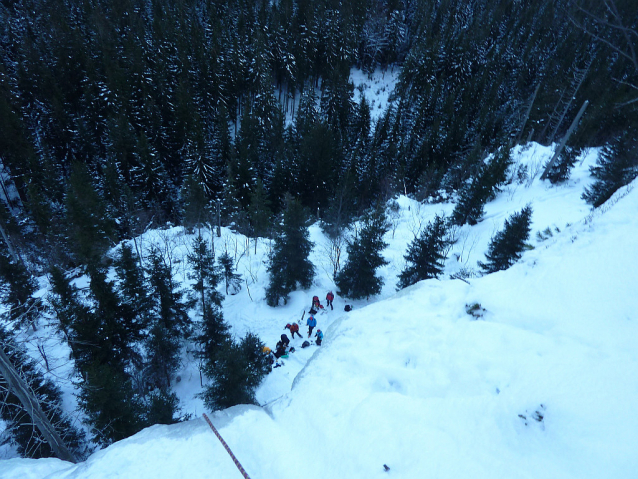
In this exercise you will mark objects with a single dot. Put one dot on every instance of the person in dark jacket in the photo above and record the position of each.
(294, 328)
(329, 298)
(319, 337)
(285, 340)
(280, 350)
(311, 323)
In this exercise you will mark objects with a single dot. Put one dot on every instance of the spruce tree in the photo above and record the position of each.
(119, 200)
(358, 277)
(118, 328)
(617, 166)
(481, 189)
(426, 254)
(205, 273)
(162, 356)
(113, 411)
(163, 408)
(101, 348)
(169, 323)
(259, 213)
(231, 279)
(133, 290)
(194, 213)
(75, 318)
(507, 246)
(289, 266)
(213, 339)
(90, 231)
(17, 287)
(559, 173)
(167, 299)
(213, 331)
(239, 370)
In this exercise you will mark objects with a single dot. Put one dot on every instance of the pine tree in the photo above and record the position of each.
(338, 216)
(163, 408)
(213, 339)
(358, 277)
(118, 330)
(91, 232)
(107, 398)
(507, 246)
(232, 280)
(194, 213)
(205, 273)
(17, 288)
(132, 288)
(559, 173)
(169, 324)
(426, 254)
(239, 370)
(617, 166)
(259, 213)
(289, 266)
(100, 348)
(233, 211)
(168, 303)
(150, 181)
(482, 188)
(120, 202)
(198, 161)
(75, 318)
(162, 356)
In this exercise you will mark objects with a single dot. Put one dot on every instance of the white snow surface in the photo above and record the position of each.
(409, 379)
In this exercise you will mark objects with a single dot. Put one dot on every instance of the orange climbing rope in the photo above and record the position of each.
(230, 453)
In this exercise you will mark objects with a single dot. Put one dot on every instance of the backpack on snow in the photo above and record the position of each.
(347, 308)
(305, 344)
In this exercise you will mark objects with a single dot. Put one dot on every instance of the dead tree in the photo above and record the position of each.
(31, 405)
(563, 142)
(527, 113)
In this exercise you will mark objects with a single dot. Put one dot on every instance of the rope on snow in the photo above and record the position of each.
(230, 453)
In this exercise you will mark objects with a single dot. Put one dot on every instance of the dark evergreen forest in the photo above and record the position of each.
(123, 101)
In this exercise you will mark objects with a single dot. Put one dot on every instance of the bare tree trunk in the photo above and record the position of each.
(139, 253)
(564, 141)
(527, 113)
(579, 78)
(31, 405)
(541, 136)
(219, 223)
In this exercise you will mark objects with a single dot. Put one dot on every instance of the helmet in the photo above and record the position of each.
(287, 326)
(318, 330)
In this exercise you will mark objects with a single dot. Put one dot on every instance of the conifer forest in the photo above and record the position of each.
(121, 116)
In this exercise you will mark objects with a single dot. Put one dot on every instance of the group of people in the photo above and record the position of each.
(283, 345)
(316, 304)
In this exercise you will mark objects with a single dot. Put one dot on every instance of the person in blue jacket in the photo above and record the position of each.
(319, 337)
(311, 323)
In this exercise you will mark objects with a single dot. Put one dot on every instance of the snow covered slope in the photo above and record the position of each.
(543, 385)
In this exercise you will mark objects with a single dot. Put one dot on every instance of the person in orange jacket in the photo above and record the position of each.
(294, 328)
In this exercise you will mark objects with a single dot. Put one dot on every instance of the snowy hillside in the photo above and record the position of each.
(542, 385)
